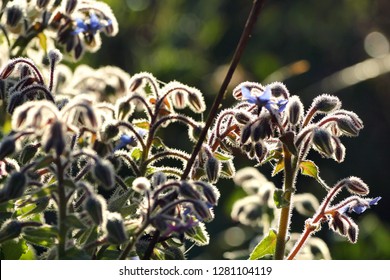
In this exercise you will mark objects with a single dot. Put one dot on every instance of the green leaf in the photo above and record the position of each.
(158, 143)
(278, 167)
(13, 249)
(44, 162)
(309, 168)
(40, 206)
(280, 200)
(73, 221)
(119, 198)
(199, 235)
(265, 247)
(136, 154)
(76, 254)
(222, 157)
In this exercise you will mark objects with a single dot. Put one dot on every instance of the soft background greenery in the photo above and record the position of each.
(192, 41)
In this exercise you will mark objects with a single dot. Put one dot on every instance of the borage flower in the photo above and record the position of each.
(91, 25)
(264, 99)
(359, 206)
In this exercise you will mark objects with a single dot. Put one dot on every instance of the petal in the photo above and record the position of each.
(375, 200)
(282, 105)
(359, 208)
(246, 94)
(266, 96)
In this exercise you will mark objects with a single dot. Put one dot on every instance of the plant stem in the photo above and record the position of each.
(290, 171)
(62, 204)
(254, 13)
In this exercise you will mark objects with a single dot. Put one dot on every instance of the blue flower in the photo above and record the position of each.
(128, 140)
(92, 27)
(264, 100)
(360, 208)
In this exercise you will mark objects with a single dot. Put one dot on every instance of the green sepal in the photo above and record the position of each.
(44, 236)
(199, 235)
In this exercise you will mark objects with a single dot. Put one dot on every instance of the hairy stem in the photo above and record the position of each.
(290, 171)
(254, 13)
(62, 211)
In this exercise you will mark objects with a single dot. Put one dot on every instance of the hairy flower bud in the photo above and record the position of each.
(245, 134)
(15, 185)
(295, 110)
(339, 152)
(196, 101)
(95, 205)
(260, 151)
(54, 56)
(55, 138)
(42, 3)
(187, 190)
(14, 15)
(179, 99)
(261, 129)
(347, 126)
(110, 131)
(202, 211)
(322, 140)
(7, 146)
(70, 6)
(10, 230)
(326, 103)
(243, 117)
(210, 192)
(278, 89)
(104, 173)
(355, 185)
(213, 169)
(352, 232)
(116, 233)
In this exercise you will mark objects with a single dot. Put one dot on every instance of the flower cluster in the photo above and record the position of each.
(98, 159)
(74, 25)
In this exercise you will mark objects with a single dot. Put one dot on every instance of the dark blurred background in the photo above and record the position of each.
(339, 47)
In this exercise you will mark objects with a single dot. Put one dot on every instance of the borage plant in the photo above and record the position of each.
(85, 169)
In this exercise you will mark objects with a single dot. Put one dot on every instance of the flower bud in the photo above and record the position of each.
(347, 126)
(210, 192)
(339, 152)
(95, 205)
(28, 152)
(202, 211)
(55, 138)
(109, 131)
(355, 185)
(322, 140)
(124, 108)
(245, 134)
(42, 3)
(158, 178)
(326, 103)
(70, 6)
(116, 233)
(338, 224)
(104, 173)
(196, 101)
(141, 185)
(243, 117)
(278, 89)
(187, 190)
(260, 151)
(295, 110)
(353, 232)
(213, 169)
(179, 99)
(13, 15)
(261, 129)
(7, 147)
(10, 230)
(15, 185)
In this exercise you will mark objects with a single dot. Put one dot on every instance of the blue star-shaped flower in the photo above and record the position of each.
(360, 208)
(128, 140)
(92, 26)
(264, 100)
